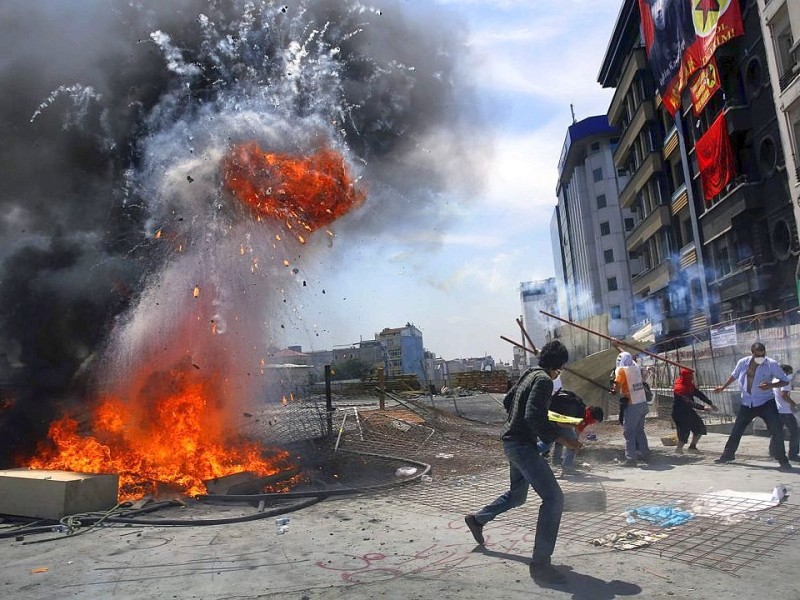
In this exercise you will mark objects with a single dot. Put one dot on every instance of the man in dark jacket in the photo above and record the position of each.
(527, 404)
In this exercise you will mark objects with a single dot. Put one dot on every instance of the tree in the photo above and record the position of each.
(352, 368)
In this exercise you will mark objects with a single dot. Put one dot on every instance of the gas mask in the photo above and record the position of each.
(759, 360)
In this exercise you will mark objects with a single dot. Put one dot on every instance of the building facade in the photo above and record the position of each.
(535, 296)
(702, 260)
(591, 261)
(404, 352)
(780, 26)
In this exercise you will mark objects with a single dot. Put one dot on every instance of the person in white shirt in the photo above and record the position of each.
(786, 407)
(757, 375)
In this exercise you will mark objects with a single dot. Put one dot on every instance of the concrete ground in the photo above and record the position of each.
(411, 542)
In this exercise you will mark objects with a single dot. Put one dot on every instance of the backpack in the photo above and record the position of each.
(568, 404)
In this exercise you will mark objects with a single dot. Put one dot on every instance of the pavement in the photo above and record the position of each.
(411, 542)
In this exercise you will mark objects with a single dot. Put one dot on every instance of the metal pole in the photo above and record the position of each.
(616, 342)
(328, 399)
(381, 389)
(527, 337)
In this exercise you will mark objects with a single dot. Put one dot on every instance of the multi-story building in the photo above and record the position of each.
(702, 260)
(591, 261)
(404, 352)
(535, 296)
(780, 25)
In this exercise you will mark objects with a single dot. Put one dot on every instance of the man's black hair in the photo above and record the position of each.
(597, 413)
(758, 347)
(788, 369)
(553, 355)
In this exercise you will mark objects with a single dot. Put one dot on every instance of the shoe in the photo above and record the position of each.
(630, 463)
(546, 573)
(693, 450)
(679, 449)
(568, 471)
(475, 528)
(795, 458)
(724, 459)
(786, 468)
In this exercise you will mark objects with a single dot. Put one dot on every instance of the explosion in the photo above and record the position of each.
(306, 193)
(191, 154)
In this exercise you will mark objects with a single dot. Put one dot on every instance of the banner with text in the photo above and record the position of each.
(681, 37)
(704, 85)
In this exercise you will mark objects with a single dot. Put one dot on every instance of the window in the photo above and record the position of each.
(605, 228)
(608, 256)
(767, 155)
(611, 282)
(628, 224)
(615, 312)
(601, 201)
(597, 174)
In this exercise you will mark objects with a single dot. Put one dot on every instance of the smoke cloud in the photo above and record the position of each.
(122, 248)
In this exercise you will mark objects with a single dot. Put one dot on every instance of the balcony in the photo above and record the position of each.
(648, 227)
(688, 256)
(670, 142)
(742, 281)
(644, 113)
(636, 62)
(652, 280)
(672, 326)
(680, 199)
(717, 220)
(650, 165)
(792, 71)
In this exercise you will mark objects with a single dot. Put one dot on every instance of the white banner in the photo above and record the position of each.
(723, 336)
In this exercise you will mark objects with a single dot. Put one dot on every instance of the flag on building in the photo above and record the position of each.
(704, 85)
(681, 37)
(715, 158)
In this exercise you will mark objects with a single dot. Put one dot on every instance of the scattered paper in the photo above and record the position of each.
(629, 540)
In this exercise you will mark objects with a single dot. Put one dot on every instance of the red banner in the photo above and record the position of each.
(715, 158)
(704, 85)
(681, 36)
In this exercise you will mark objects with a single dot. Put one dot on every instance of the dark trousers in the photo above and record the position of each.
(794, 441)
(769, 414)
(528, 468)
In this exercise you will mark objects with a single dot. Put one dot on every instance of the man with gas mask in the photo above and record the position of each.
(757, 376)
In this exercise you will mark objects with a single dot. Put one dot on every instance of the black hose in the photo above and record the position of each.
(322, 493)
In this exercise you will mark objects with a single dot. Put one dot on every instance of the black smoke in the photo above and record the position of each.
(88, 85)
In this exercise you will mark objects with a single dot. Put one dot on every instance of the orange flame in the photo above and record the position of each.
(177, 440)
(306, 193)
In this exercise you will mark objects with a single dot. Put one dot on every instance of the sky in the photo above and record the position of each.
(530, 60)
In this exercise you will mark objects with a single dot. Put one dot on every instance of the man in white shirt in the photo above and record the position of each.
(757, 376)
(786, 407)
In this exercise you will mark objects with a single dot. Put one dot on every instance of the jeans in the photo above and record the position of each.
(636, 446)
(769, 413)
(558, 449)
(790, 422)
(528, 468)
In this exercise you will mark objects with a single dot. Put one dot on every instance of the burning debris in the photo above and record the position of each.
(190, 164)
(175, 439)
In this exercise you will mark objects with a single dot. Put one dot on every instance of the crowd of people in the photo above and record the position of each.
(544, 419)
